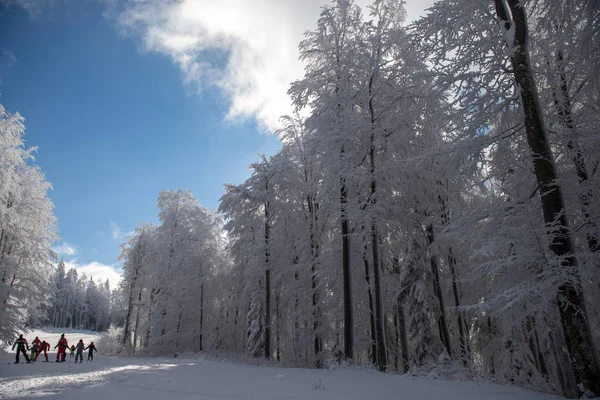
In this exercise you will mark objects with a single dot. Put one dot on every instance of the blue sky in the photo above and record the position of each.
(114, 125)
(128, 98)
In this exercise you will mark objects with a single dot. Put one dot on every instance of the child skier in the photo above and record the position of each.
(45, 346)
(79, 348)
(34, 351)
(92, 348)
(38, 345)
(62, 345)
(21, 344)
(72, 349)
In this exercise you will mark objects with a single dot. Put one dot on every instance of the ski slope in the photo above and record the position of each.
(51, 335)
(112, 378)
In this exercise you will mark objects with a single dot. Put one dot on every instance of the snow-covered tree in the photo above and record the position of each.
(167, 275)
(27, 229)
(503, 63)
(416, 214)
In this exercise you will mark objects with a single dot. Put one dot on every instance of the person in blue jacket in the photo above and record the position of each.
(79, 351)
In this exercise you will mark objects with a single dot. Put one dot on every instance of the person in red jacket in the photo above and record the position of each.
(44, 346)
(38, 345)
(62, 345)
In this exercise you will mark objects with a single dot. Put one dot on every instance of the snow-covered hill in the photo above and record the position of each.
(112, 378)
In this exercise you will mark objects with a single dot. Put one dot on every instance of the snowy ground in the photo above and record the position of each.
(159, 378)
(51, 335)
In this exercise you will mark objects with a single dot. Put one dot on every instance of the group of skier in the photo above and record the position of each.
(38, 347)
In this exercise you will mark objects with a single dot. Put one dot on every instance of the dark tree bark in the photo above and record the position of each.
(278, 329)
(463, 330)
(491, 334)
(562, 101)
(371, 312)
(316, 301)
(402, 337)
(318, 342)
(534, 345)
(347, 278)
(137, 265)
(178, 330)
(127, 330)
(400, 321)
(570, 299)
(437, 287)
(201, 311)
(296, 303)
(151, 311)
(564, 371)
(137, 320)
(398, 354)
(379, 330)
(267, 282)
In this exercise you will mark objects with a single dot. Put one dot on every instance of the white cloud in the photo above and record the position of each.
(115, 230)
(9, 56)
(65, 249)
(259, 39)
(98, 271)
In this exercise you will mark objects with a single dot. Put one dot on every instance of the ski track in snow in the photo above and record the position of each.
(112, 378)
(50, 383)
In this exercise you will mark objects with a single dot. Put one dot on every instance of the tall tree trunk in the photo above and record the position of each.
(316, 302)
(268, 313)
(267, 282)
(399, 318)
(534, 345)
(201, 312)
(127, 329)
(371, 312)
(178, 331)
(379, 314)
(398, 352)
(402, 336)
(54, 314)
(562, 101)
(135, 332)
(563, 367)
(463, 330)
(538, 348)
(151, 310)
(570, 300)
(379, 331)
(437, 287)
(278, 328)
(348, 306)
(318, 342)
(296, 318)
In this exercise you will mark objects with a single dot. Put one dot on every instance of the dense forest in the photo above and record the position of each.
(433, 204)
(79, 302)
(433, 207)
